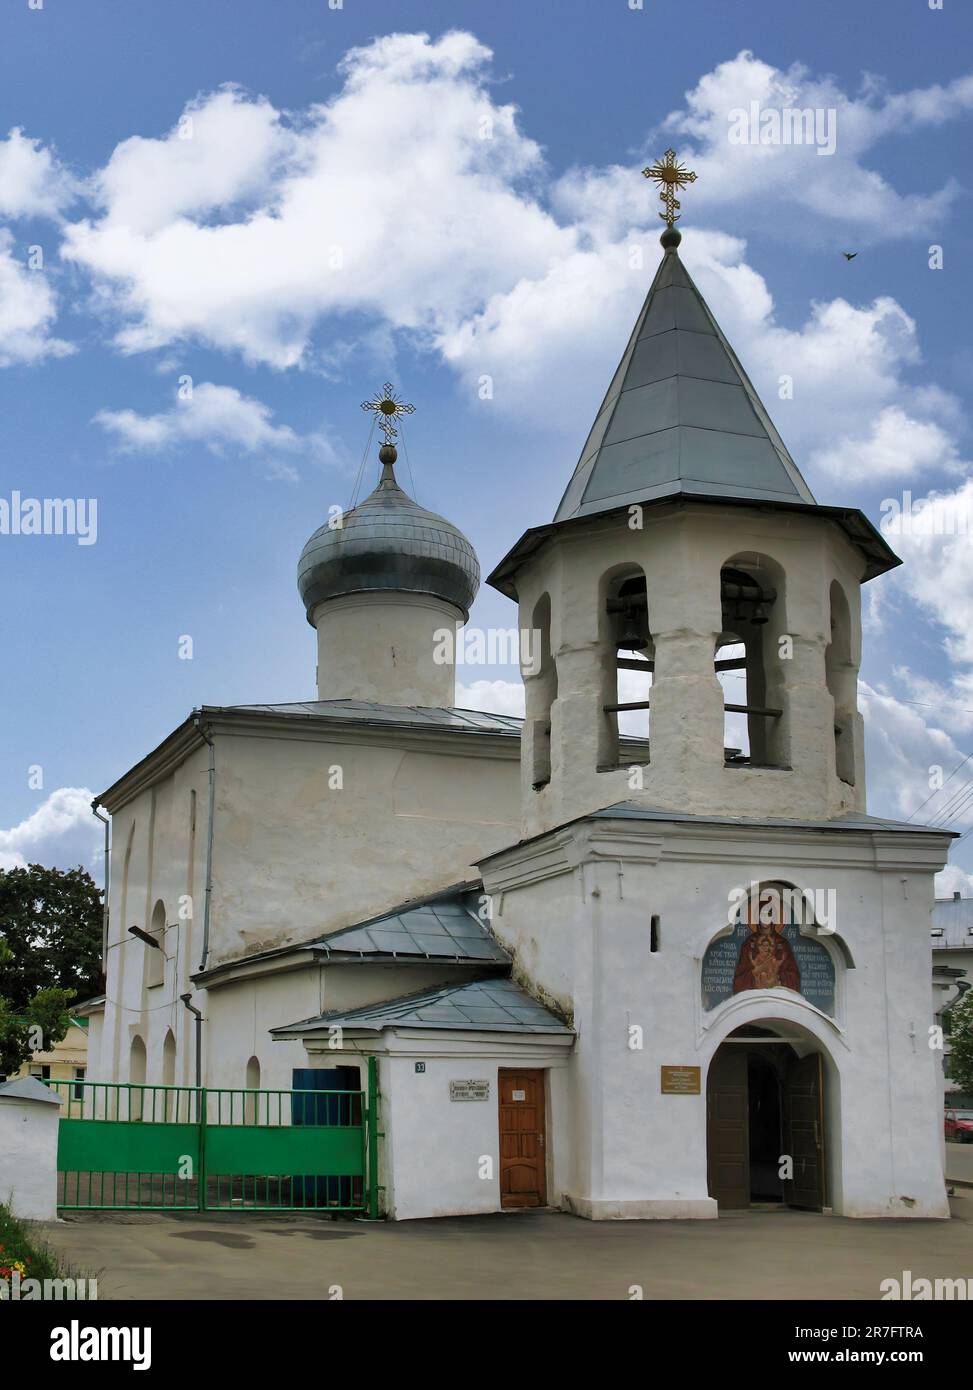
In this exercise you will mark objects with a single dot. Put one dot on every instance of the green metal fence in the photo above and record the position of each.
(165, 1148)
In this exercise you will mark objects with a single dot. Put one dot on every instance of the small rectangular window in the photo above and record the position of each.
(654, 934)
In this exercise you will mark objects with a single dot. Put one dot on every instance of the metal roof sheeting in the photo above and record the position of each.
(368, 712)
(389, 542)
(681, 415)
(443, 928)
(489, 1006)
(953, 917)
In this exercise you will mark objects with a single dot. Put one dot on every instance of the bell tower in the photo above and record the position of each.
(697, 612)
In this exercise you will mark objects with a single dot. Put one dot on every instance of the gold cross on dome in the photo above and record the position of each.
(672, 177)
(388, 407)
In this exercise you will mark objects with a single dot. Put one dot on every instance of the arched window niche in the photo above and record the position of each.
(251, 1103)
(128, 1102)
(777, 936)
(155, 957)
(842, 678)
(168, 1098)
(628, 665)
(749, 659)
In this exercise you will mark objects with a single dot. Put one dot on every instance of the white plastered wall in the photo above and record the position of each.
(294, 858)
(440, 1157)
(383, 646)
(681, 551)
(575, 909)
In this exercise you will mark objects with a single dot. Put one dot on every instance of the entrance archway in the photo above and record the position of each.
(765, 1120)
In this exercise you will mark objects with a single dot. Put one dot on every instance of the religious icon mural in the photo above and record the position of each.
(767, 950)
(766, 960)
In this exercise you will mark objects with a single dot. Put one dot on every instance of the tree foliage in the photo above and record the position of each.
(44, 1022)
(959, 1029)
(51, 920)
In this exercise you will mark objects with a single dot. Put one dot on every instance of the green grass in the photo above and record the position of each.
(21, 1247)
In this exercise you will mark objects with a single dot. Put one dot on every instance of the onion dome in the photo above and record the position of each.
(388, 542)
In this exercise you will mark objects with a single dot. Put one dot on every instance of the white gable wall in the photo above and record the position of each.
(293, 858)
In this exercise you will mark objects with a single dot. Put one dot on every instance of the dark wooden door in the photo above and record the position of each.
(522, 1139)
(803, 1127)
(728, 1128)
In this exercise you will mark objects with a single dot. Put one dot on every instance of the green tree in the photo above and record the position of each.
(44, 1023)
(51, 920)
(958, 1027)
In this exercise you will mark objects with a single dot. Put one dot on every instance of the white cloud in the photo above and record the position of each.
(62, 832)
(895, 446)
(846, 361)
(902, 745)
(952, 880)
(222, 151)
(787, 181)
(387, 201)
(32, 182)
(493, 697)
(413, 202)
(28, 308)
(937, 548)
(219, 417)
(838, 188)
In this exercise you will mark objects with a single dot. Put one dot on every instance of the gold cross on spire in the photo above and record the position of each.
(672, 177)
(388, 407)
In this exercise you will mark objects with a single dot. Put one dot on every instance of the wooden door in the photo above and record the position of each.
(728, 1128)
(522, 1139)
(803, 1126)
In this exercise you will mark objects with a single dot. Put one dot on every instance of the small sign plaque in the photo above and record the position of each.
(681, 1081)
(519, 1095)
(469, 1090)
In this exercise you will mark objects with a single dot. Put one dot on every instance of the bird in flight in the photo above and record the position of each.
(849, 255)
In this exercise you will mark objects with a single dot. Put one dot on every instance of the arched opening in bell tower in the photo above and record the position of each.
(628, 663)
(842, 678)
(541, 693)
(748, 657)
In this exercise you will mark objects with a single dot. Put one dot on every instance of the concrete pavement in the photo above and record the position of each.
(959, 1163)
(775, 1254)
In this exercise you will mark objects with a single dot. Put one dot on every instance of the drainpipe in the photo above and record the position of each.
(199, 1037)
(104, 916)
(209, 840)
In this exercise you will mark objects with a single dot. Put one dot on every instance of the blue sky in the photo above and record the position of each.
(477, 168)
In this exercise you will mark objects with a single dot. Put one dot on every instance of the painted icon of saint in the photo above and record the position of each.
(766, 960)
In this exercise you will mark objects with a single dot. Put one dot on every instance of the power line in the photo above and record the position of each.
(939, 789)
(958, 811)
(946, 811)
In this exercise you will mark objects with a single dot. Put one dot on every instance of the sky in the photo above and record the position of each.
(223, 225)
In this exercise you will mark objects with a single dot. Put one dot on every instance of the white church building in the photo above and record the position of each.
(643, 953)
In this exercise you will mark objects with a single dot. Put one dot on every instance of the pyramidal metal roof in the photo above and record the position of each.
(681, 415)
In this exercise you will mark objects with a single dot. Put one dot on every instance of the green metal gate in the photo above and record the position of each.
(166, 1148)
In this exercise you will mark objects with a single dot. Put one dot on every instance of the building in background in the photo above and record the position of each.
(67, 1060)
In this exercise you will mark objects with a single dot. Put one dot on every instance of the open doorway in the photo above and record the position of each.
(765, 1133)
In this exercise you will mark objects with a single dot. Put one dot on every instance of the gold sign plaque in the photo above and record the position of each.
(681, 1081)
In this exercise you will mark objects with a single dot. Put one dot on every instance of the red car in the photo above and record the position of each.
(959, 1126)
